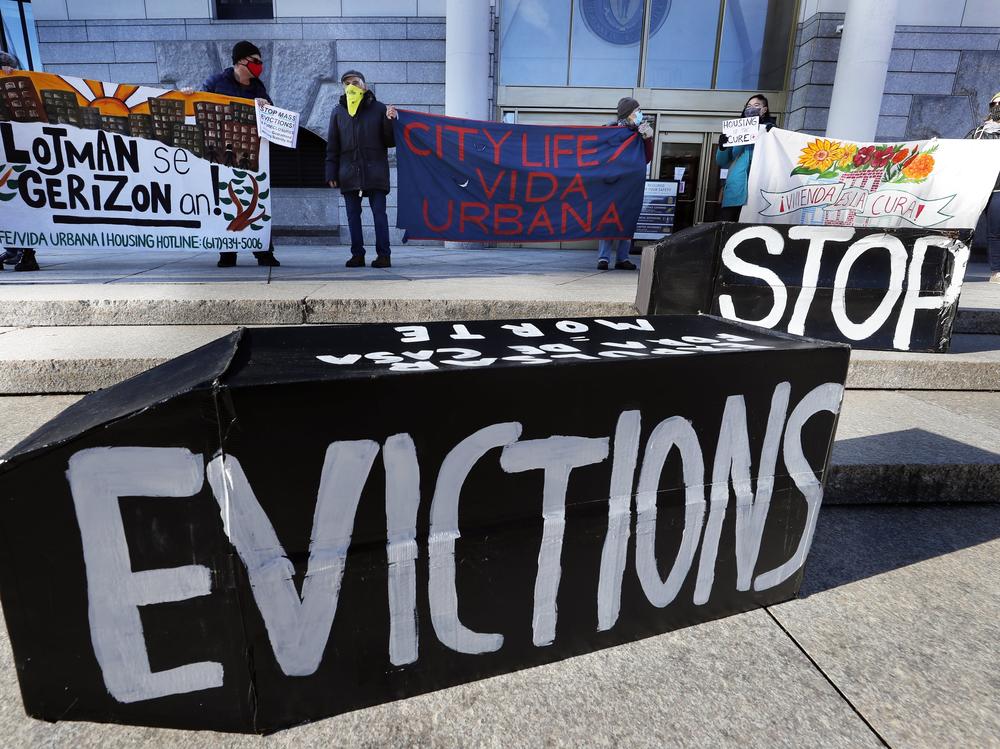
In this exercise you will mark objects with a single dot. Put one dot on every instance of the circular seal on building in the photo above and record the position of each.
(620, 21)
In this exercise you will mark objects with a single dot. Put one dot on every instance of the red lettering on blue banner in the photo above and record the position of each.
(473, 181)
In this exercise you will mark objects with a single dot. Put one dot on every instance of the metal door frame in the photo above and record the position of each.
(692, 137)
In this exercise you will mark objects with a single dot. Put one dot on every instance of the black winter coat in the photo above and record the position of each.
(357, 155)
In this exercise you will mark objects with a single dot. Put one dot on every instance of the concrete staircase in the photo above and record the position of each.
(915, 427)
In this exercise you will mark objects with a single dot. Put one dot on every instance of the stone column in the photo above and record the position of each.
(865, 47)
(467, 59)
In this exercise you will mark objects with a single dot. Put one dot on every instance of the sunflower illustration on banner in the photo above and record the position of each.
(803, 179)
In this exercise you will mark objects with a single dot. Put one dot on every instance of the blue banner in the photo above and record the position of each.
(473, 181)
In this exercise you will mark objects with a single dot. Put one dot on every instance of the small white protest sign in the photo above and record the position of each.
(741, 132)
(280, 126)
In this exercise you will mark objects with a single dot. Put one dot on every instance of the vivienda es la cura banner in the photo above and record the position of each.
(474, 181)
(106, 165)
(932, 184)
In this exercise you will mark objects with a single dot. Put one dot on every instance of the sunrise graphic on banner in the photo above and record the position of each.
(112, 165)
(803, 179)
(474, 181)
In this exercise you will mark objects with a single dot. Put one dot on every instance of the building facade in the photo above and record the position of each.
(690, 63)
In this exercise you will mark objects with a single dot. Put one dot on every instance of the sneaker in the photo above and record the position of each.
(602, 265)
(227, 259)
(267, 259)
(995, 278)
(625, 265)
(382, 261)
(27, 261)
(10, 257)
(356, 261)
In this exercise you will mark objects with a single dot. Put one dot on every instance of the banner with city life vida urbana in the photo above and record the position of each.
(932, 184)
(106, 165)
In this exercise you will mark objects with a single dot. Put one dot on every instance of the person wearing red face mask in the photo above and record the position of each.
(243, 80)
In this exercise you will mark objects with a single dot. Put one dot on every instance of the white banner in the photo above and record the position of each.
(106, 165)
(280, 126)
(804, 179)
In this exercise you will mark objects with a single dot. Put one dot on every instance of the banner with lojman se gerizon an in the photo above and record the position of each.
(105, 165)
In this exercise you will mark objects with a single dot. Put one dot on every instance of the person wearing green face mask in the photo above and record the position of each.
(990, 130)
(357, 161)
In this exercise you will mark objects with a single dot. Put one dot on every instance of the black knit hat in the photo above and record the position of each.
(244, 49)
(626, 106)
(349, 73)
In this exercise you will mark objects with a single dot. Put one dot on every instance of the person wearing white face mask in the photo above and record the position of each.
(630, 116)
(990, 130)
(737, 161)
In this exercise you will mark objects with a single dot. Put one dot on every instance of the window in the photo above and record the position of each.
(681, 49)
(17, 33)
(754, 49)
(236, 9)
(691, 44)
(606, 40)
(534, 42)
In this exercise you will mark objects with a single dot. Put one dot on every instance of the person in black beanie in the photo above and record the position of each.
(243, 80)
(628, 115)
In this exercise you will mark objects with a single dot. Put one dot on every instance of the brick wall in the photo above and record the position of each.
(939, 83)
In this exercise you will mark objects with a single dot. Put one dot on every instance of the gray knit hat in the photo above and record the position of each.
(626, 106)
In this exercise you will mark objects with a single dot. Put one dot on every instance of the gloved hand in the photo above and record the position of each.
(723, 140)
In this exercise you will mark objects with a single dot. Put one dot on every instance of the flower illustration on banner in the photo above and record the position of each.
(881, 157)
(819, 156)
(847, 159)
(919, 168)
(864, 155)
(896, 162)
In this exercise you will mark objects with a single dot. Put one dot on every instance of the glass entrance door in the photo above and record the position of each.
(689, 157)
(680, 159)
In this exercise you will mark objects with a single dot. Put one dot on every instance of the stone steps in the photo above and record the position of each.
(80, 359)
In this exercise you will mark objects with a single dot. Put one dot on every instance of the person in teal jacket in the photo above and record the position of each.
(737, 161)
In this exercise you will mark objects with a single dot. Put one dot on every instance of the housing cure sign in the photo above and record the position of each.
(106, 165)
(476, 181)
(452, 503)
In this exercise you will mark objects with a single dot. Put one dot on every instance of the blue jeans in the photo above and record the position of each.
(993, 232)
(376, 201)
(619, 246)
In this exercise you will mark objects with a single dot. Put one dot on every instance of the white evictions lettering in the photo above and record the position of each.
(97, 478)
(905, 273)
(299, 626)
(557, 456)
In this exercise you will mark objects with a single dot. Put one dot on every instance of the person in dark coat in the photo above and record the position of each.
(243, 80)
(738, 159)
(990, 130)
(357, 161)
(628, 115)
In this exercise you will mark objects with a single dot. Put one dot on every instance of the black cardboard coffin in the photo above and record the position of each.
(884, 289)
(290, 523)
